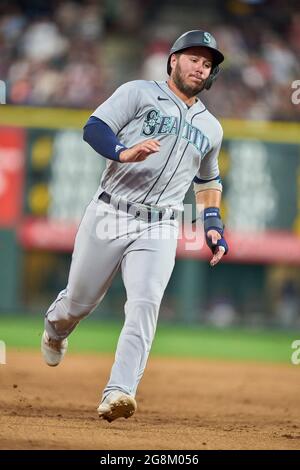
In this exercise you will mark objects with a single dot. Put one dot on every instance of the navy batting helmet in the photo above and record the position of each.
(199, 38)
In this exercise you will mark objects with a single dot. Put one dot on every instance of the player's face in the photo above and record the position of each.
(190, 69)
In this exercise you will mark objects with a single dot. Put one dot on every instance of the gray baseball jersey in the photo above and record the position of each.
(190, 143)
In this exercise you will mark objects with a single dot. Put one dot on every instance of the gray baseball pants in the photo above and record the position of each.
(106, 240)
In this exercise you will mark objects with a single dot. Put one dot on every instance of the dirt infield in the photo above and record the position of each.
(183, 404)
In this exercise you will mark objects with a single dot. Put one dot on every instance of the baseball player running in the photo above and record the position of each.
(157, 138)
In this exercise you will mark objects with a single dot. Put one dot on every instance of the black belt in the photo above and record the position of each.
(152, 214)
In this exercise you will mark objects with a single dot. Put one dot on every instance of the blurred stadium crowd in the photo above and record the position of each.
(75, 53)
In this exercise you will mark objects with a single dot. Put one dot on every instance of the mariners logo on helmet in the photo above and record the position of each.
(206, 38)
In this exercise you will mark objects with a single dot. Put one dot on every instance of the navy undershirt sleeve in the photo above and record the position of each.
(102, 139)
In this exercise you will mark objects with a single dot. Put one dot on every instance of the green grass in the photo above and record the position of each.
(21, 332)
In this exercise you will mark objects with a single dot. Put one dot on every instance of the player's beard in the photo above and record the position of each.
(186, 89)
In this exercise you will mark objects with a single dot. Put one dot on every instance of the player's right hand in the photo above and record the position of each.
(218, 246)
(139, 152)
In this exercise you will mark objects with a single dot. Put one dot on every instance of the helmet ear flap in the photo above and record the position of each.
(213, 75)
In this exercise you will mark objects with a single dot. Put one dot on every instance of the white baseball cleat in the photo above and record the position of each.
(53, 350)
(117, 405)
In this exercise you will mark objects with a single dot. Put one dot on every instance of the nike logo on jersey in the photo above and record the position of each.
(162, 99)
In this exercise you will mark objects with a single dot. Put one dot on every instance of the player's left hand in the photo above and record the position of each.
(217, 244)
